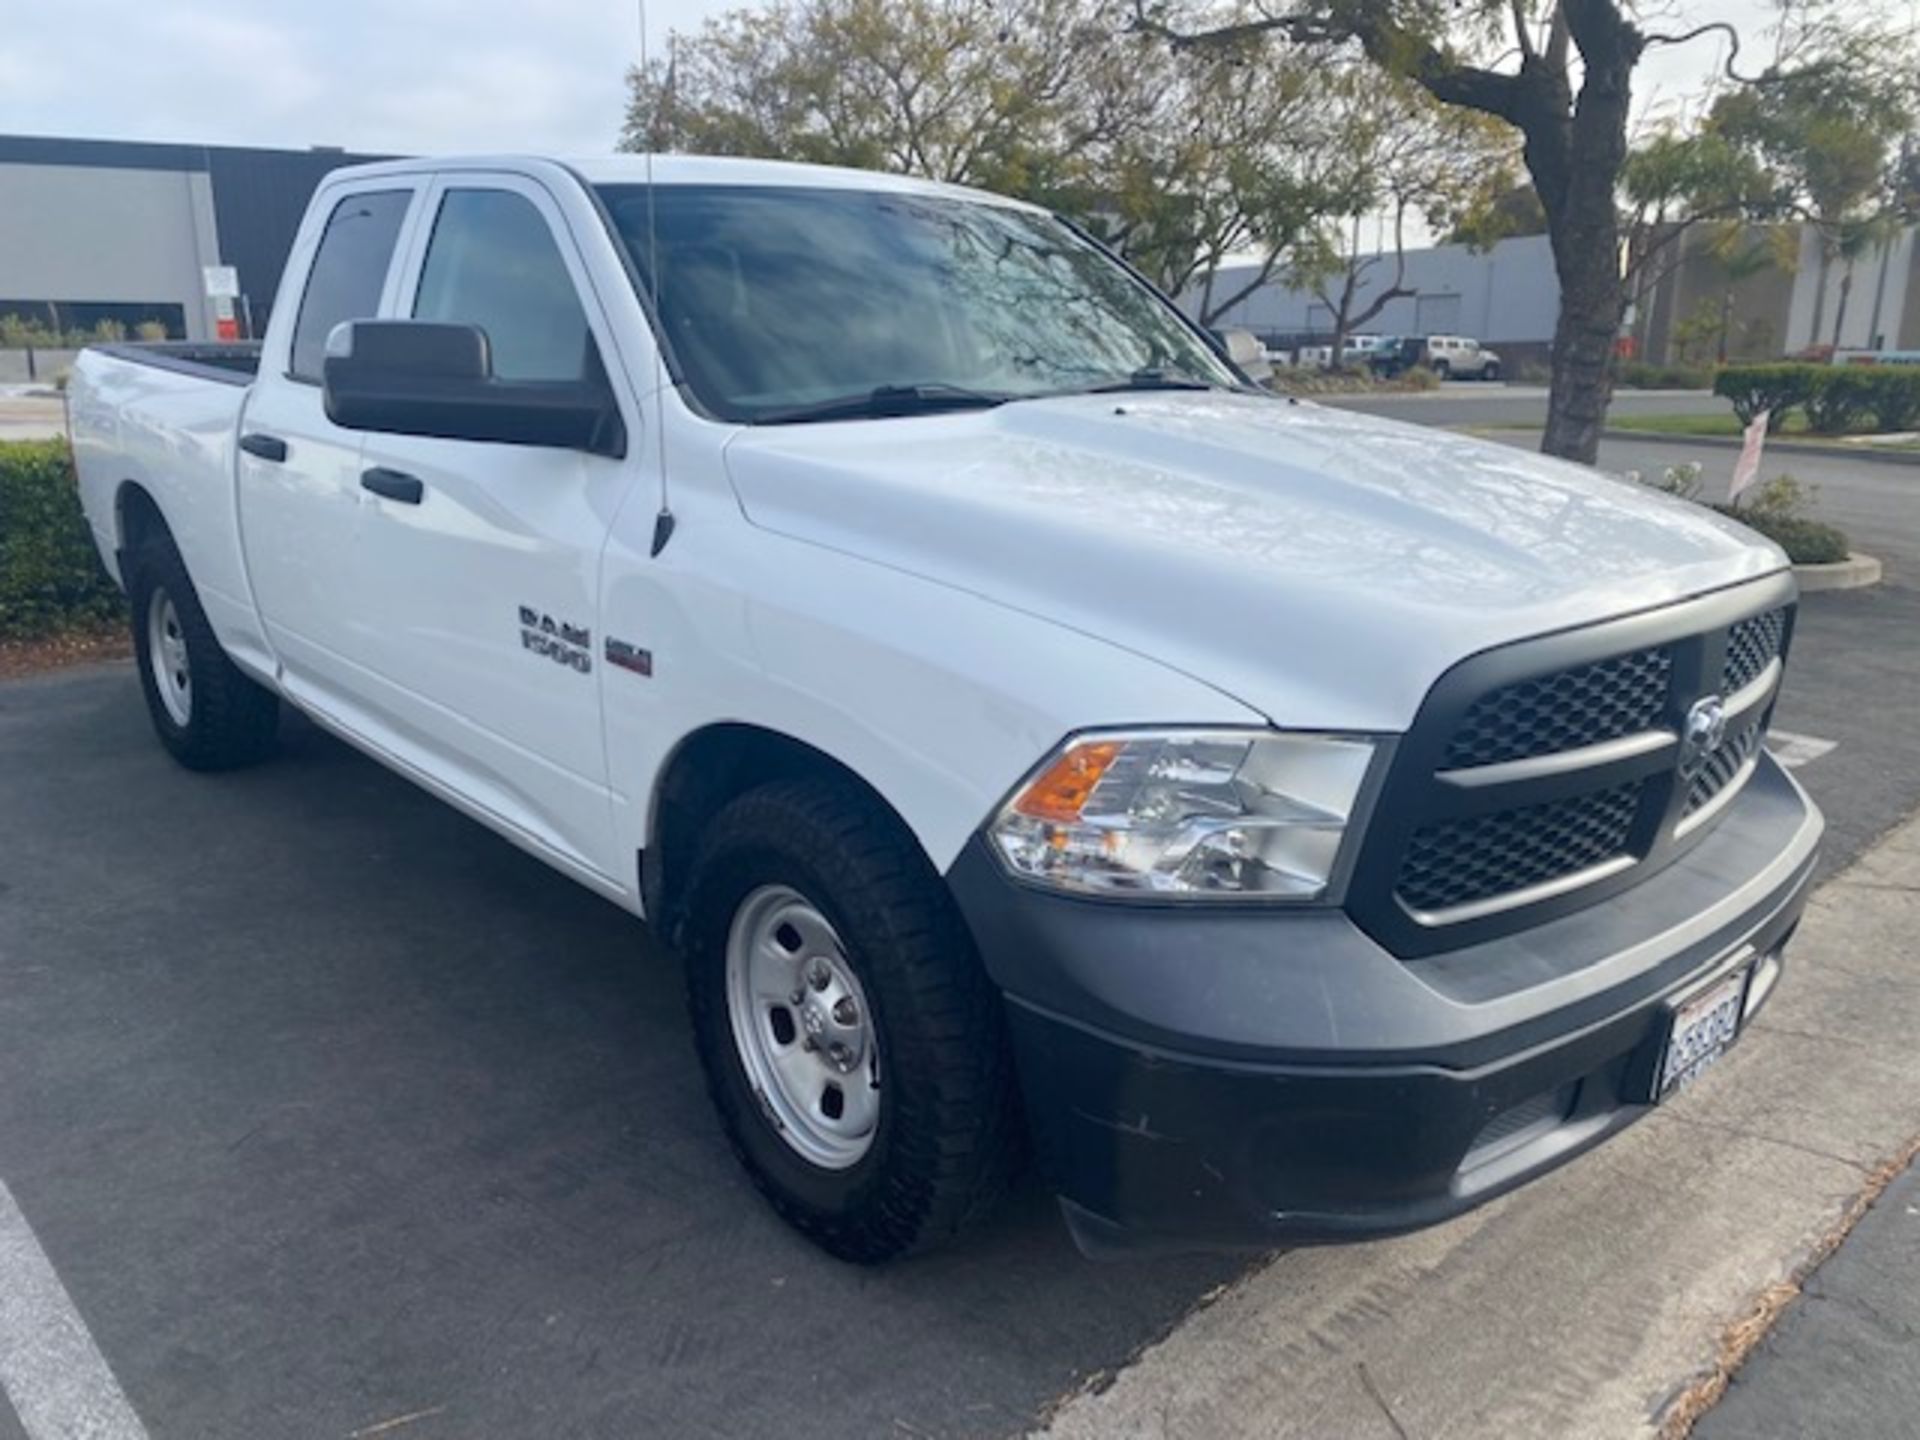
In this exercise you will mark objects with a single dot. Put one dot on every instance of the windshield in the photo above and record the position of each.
(780, 303)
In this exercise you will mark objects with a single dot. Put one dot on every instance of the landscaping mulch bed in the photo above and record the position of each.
(76, 647)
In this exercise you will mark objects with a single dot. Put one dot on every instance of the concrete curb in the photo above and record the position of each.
(1774, 447)
(1853, 573)
(1586, 1304)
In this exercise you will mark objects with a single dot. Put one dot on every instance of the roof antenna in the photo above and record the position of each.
(663, 521)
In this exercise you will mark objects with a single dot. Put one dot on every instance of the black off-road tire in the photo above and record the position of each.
(231, 720)
(948, 1134)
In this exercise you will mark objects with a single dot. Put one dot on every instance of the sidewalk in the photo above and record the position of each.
(1844, 1361)
(1590, 1302)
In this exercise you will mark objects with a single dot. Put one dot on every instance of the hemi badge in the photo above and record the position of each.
(629, 657)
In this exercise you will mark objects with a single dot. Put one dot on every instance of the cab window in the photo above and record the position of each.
(493, 263)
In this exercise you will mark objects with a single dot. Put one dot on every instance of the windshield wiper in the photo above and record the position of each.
(1151, 378)
(888, 401)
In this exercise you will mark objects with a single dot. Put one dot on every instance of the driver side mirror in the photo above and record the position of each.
(421, 377)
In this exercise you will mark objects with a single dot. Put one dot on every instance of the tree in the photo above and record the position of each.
(1829, 136)
(1408, 155)
(1180, 166)
(1561, 73)
(1513, 211)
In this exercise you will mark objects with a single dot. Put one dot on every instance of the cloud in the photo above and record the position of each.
(415, 76)
(400, 76)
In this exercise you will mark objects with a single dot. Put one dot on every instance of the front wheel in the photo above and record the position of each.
(852, 1043)
(207, 714)
(1492, 372)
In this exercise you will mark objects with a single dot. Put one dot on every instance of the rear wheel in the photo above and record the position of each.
(207, 714)
(1442, 370)
(852, 1042)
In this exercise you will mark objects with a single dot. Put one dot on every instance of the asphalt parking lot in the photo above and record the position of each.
(332, 1108)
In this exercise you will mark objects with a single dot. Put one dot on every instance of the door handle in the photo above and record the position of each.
(394, 484)
(267, 447)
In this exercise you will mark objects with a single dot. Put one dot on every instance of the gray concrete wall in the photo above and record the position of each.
(1504, 295)
(1857, 326)
(18, 367)
(88, 233)
(1697, 282)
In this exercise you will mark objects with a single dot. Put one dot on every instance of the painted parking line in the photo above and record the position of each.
(1793, 750)
(52, 1372)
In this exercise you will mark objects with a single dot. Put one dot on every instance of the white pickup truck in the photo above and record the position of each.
(1295, 826)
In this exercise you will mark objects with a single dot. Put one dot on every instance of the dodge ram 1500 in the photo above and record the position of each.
(1297, 826)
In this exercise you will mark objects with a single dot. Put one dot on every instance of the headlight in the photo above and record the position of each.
(1229, 814)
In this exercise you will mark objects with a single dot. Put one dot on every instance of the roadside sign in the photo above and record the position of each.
(223, 282)
(1747, 467)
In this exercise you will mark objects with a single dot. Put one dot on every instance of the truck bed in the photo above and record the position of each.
(231, 362)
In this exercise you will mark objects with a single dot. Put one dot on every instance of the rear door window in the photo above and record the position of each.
(349, 272)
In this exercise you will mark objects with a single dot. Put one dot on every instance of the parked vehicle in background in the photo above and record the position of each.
(1395, 355)
(1449, 356)
(1455, 357)
(1302, 826)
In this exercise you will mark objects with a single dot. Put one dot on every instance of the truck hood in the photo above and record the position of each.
(1321, 566)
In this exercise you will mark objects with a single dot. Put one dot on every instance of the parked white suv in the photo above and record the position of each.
(1300, 826)
(1459, 358)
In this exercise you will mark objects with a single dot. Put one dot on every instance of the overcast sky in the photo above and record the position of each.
(402, 76)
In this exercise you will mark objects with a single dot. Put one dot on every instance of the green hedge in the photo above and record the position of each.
(1834, 398)
(50, 577)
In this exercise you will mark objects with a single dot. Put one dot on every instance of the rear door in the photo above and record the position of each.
(477, 606)
(298, 474)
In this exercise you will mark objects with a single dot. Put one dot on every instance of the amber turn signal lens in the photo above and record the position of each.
(1061, 790)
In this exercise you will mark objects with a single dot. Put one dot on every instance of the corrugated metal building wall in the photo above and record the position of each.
(1506, 296)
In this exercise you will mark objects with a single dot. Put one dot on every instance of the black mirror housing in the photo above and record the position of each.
(421, 377)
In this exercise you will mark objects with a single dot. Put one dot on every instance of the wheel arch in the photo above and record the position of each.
(137, 517)
(705, 770)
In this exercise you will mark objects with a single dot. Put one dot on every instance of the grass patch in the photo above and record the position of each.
(1723, 425)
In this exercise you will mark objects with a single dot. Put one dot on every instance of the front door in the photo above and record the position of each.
(476, 602)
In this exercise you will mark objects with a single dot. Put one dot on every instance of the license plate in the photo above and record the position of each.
(1703, 1030)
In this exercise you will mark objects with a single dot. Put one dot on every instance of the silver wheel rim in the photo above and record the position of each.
(167, 654)
(802, 1028)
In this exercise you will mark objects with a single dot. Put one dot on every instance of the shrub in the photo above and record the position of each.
(1892, 395)
(1778, 510)
(1774, 388)
(1836, 399)
(1807, 542)
(50, 577)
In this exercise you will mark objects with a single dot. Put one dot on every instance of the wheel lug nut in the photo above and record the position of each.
(844, 1012)
(799, 996)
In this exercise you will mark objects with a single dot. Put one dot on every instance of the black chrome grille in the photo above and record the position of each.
(1504, 783)
(1722, 764)
(1752, 645)
(1457, 862)
(1621, 695)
